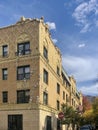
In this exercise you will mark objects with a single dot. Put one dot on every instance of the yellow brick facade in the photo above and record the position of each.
(34, 113)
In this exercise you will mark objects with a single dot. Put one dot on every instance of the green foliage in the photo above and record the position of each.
(95, 106)
(71, 116)
(95, 110)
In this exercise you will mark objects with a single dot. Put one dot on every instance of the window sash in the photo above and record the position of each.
(48, 123)
(24, 48)
(45, 98)
(58, 105)
(45, 76)
(15, 122)
(20, 70)
(63, 95)
(58, 88)
(23, 96)
(5, 50)
(58, 70)
(23, 72)
(45, 53)
(4, 74)
(5, 97)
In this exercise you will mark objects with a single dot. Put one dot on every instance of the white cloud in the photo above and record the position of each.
(82, 68)
(84, 12)
(81, 12)
(96, 22)
(54, 40)
(91, 90)
(86, 28)
(51, 25)
(81, 45)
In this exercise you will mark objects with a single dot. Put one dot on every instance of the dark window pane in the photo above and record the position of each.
(27, 48)
(45, 98)
(58, 70)
(20, 76)
(58, 105)
(48, 123)
(5, 96)
(63, 95)
(24, 48)
(58, 124)
(45, 52)
(20, 70)
(23, 96)
(15, 122)
(23, 72)
(5, 50)
(58, 88)
(45, 78)
(4, 74)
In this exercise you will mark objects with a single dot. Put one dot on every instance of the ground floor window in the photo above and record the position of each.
(48, 123)
(15, 122)
(58, 124)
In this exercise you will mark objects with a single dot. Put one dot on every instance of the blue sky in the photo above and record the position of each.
(74, 29)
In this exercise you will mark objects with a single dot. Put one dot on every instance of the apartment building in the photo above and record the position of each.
(33, 83)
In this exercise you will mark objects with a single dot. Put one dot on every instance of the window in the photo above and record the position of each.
(48, 123)
(63, 95)
(58, 88)
(45, 52)
(67, 84)
(58, 124)
(5, 96)
(4, 74)
(15, 122)
(45, 98)
(45, 76)
(58, 70)
(67, 98)
(23, 96)
(58, 105)
(23, 48)
(5, 50)
(23, 72)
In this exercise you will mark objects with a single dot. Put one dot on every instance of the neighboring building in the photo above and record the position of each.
(76, 97)
(33, 83)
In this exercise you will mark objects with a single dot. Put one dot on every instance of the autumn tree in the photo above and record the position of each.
(86, 104)
(90, 115)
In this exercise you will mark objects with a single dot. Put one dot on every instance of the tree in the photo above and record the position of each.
(71, 116)
(95, 110)
(67, 110)
(88, 117)
(86, 104)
